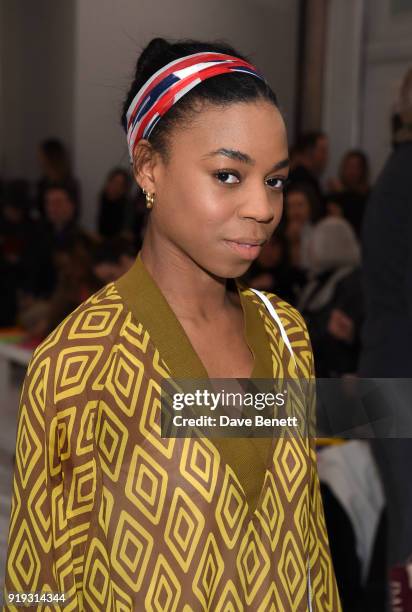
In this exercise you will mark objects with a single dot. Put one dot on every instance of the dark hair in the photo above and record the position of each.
(362, 157)
(56, 154)
(308, 141)
(311, 196)
(221, 90)
(66, 188)
(119, 171)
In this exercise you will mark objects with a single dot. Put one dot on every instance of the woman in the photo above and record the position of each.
(122, 518)
(56, 169)
(300, 214)
(331, 301)
(348, 195)
(353, 174)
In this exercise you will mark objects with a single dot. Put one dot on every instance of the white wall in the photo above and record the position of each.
(388, 55)
(36, 70)
(343, 78)
(369, 51)
(109, 36)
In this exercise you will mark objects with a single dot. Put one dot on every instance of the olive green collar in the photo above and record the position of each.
(149, 307)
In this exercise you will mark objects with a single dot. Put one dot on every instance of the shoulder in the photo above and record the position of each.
(83, 335)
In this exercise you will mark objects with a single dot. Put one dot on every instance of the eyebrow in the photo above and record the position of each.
(244, 157)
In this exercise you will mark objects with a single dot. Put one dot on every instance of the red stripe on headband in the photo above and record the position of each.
(186, 63)
(166, 101)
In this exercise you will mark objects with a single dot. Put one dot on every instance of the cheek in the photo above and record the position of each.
(195, 203)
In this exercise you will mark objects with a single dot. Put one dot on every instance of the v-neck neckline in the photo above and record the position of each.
(142, 295)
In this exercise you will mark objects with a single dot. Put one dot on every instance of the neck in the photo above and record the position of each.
(192, 292)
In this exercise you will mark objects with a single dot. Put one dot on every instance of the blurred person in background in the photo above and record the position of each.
(281, 266)
(331, 301)
(310, 158)
(349, 193)
(353, 174)
(113, 215)
(76, 282)
(300, 211)
(55, 169)
(271, 270)
(59, 230)
(301, 206)
(387, 331)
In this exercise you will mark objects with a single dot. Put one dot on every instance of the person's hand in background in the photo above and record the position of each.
(340, 326)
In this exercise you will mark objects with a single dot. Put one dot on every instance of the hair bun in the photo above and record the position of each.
(156, 48)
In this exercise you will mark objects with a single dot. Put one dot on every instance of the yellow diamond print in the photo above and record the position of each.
(82, 489)
(272, 602)
(292, 570)
(271, 511)
(95, 322)
(74, 367)
(112, 437)
(209, 573)
(164, 588)
(290, 466)
(134, 333)
(301, 515)
(149, 425)
(252, 563)
(24, 562)
(146, 484)
(231, 508)
(28, 447)
(125, 380)
(184, 528)
(97, 577)
(132, 547)
(200, 465)
(39, 511)
(230, 600)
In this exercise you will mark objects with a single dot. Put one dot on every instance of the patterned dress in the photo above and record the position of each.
(117, 518)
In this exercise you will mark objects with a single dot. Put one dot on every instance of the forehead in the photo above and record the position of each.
(256, 128)
(57, 194)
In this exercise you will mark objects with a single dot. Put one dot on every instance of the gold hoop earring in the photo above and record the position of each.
(149, 199)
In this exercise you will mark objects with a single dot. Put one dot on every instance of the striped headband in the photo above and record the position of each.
(170, 83)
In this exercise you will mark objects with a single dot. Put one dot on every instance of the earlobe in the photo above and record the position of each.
(143, 165)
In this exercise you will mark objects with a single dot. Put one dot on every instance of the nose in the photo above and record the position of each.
(262, 205)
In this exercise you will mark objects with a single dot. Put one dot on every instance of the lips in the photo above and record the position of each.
(247, 248)
(252, 241)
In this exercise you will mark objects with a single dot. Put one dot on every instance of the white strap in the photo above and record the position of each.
(309, 588)
(275, 315)
(284, 335)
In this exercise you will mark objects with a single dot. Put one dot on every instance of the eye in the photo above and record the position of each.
(278, 183)
(226, 177)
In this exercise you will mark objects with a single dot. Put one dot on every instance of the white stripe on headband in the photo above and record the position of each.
(142, 104)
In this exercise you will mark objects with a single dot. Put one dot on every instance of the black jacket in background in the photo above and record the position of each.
(387, 270)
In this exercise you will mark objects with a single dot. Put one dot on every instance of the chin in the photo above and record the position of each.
(234, 271)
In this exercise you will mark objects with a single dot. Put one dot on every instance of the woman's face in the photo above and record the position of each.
(116, 187)
(60, 209)
(221, 187)
(298, 207)
(352, 171)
